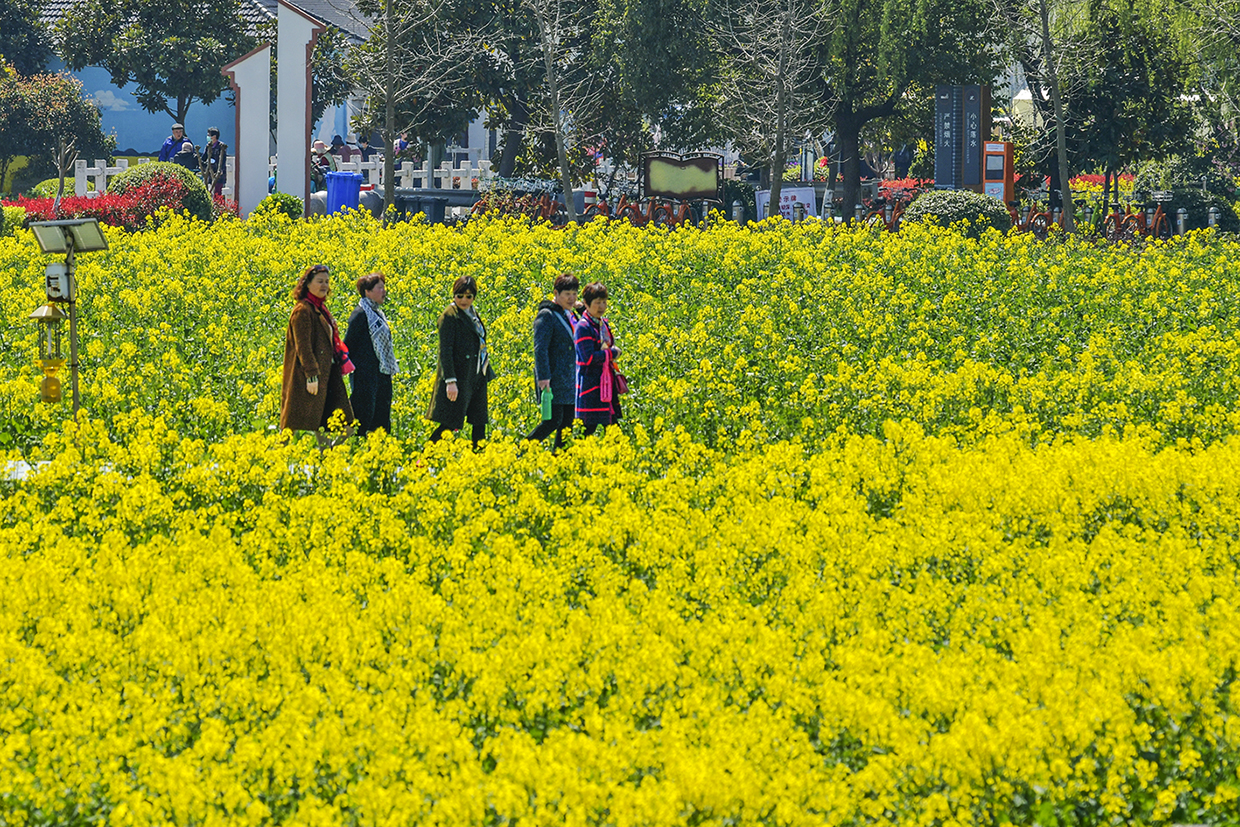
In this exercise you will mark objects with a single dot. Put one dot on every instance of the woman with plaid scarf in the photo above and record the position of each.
(369, 339)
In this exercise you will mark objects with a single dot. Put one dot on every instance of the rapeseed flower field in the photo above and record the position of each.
(901, 529)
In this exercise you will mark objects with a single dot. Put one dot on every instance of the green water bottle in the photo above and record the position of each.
(546, 404)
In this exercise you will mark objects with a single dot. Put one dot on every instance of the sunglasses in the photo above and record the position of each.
(319, 268)
(463, 295)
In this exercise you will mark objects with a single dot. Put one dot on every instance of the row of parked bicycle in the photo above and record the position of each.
(544, 207)
(1123, 222)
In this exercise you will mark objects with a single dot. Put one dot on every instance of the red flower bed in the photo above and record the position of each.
(906, 184)
(129, 210)
(223, 206)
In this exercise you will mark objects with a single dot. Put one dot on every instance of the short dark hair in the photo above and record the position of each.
(211, 130)
(465, 284)
(367, 283)
(565, 281)
(594, 290)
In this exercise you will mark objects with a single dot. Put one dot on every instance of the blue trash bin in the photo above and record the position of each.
(343, 190)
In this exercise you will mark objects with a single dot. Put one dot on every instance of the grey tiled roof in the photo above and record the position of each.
(341, 14)
(53, 10)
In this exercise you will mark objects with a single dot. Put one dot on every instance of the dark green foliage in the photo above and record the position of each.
(197, 199)
(1183, 173)
(1128, 106)
(946, 207)
(884, 54)
(290, 205)
(23, 39)
(46, 118)
(742, 191)
(172, 52)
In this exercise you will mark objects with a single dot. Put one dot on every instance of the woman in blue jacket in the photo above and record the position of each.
(598, 399)
(555, 366)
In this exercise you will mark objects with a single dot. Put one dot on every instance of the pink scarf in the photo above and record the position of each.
(605, 392)
(604, 384)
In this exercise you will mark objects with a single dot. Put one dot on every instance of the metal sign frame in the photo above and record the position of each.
(695, 176)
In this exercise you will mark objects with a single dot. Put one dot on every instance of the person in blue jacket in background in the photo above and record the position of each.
(555, 359)
(173, 143)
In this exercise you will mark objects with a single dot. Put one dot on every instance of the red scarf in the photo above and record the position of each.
(342, 352)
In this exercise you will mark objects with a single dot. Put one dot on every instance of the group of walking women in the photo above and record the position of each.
(574, 360)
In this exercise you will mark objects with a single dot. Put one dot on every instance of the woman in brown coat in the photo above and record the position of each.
(464, 366)
(315, 360)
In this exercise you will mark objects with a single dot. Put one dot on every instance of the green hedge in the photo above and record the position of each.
(947, 207)
(197, 199)
(47, 187)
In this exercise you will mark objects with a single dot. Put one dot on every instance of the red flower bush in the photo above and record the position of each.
(129, 209)
(906, 184)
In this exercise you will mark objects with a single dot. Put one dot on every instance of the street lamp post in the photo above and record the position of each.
(68, 236)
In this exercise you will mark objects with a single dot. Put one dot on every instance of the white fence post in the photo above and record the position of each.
(230, 178)
(79, 178)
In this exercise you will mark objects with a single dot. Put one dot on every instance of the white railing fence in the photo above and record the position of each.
(468, 175)
(101, 172)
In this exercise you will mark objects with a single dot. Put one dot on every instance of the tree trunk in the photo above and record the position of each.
(779, 153)
(514, 136)
(389, 111)
(566, 180)
(60, 171)
(778, 156)
(1061, 141)
(848, 142)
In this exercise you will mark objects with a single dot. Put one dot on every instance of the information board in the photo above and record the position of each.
(787, 197)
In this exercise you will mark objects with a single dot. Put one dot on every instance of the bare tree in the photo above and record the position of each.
(1044, 36)
(572, 85)
(771, 78)
(415, 70)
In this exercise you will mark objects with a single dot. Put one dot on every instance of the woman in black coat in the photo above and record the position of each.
(555, 359)
(464, 366)
(369, 339)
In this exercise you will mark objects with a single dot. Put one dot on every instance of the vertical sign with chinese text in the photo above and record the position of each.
(972, 138)
(947, 137)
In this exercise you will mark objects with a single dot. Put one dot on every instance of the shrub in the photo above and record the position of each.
(192, 196)
(10, 219)
(131, 209)
(47, 188)
(282, 202)
(946, 207)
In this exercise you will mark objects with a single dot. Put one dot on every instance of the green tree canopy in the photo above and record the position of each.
(24, 40)
(887, 55)
(172, 52)
(47, 118)
(1128, 105)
